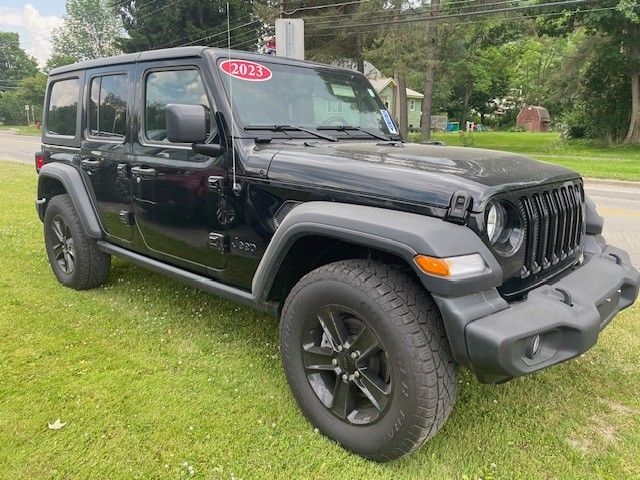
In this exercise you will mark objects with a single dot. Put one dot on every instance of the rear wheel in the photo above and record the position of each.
(75, 258)
(367, 358)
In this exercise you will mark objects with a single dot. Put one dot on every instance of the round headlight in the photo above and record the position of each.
(495, 222)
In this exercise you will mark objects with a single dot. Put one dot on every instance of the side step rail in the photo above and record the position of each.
(198, 281)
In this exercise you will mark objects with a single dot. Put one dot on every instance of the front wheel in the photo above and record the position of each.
(367, 359)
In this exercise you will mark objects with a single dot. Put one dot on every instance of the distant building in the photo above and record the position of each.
(534, 119)
(387, 90)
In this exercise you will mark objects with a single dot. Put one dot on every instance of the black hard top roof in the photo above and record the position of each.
(180, 52)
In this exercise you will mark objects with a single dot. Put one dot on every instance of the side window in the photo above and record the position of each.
(166, 87)
(108, 106)
(63, 107)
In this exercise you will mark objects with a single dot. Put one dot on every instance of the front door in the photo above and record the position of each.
(176, 192)
(105, 150)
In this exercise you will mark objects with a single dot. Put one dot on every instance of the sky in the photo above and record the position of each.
(34, 21)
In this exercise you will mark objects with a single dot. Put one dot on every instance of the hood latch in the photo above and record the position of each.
(459, 206)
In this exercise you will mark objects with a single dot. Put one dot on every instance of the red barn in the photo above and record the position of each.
(534, 119)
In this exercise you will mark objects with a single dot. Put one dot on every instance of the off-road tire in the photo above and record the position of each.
(90, 265)
(406, 319)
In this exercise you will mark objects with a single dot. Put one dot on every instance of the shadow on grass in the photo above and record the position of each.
(494, 431)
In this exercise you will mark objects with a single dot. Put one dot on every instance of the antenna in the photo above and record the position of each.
(236, 187)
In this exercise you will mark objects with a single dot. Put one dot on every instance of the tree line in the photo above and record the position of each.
(479, 60)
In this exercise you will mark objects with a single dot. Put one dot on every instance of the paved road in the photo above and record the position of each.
(618, 202)
(18, 147)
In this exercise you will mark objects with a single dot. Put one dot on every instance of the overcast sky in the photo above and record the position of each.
(34, 21)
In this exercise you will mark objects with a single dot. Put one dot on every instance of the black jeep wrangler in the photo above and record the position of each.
(284, 185)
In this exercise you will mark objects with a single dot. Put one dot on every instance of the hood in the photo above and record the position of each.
(413, 173)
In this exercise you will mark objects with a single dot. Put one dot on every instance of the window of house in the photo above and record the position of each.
(108, 106)
(63, 107)
(412, 105)
(166, 87)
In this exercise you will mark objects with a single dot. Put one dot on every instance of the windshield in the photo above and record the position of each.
(272, 95)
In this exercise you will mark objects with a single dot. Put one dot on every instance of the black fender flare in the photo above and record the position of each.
(403, 234)
(594, 222)
(71, 180)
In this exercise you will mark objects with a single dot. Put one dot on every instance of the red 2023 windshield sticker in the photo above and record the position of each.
(246, 70)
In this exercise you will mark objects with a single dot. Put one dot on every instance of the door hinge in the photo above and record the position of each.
(126, 217)
(219, 241)
(217, 183)
(459, 206)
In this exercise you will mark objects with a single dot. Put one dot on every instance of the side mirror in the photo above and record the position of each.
(186, 123)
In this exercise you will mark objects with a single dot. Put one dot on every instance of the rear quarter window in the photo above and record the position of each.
(108, 106)
(63, 107)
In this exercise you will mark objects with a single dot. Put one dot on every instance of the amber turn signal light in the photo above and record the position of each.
(451, 266)
(432, 265)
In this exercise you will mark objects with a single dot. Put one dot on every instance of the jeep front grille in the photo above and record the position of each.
(554, 224)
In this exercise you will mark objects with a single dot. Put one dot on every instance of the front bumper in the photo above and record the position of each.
(494, 338)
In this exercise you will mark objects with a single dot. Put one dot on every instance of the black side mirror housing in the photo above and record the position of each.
(186, 123)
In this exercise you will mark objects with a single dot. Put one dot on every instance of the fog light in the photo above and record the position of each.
(532, 345)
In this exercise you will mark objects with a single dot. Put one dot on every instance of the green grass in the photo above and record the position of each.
(22, 129)
(154, 379)
(619, 162)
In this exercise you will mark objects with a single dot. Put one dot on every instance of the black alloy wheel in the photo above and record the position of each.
(63, 247)
(346, 365)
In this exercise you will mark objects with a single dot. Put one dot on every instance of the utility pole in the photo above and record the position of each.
(430, 73)
(400, 72)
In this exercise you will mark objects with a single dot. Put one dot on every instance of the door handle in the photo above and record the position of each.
(88, 163)
(144, 172)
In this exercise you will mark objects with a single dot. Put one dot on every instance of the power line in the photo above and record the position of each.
(461, 14)
(239, 43)
(328, 5)
(209, 29)
(502, 19)
(223, 32)
(418, 11)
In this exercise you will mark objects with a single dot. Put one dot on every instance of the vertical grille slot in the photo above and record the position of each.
(554, 222)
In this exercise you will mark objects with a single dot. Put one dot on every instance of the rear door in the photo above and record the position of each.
(105, 150)
(175, 193)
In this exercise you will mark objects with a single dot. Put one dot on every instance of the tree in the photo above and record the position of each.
(165, 23)
(620, 23)
(31, 91)
(393, 52)
(481, 70)
(58, 60)
(12, 108)
(15, 64)
(89, 30)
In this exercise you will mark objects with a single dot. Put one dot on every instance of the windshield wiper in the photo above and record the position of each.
(284, 128)
(346, 128)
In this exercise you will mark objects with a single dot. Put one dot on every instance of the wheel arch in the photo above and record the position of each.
(61, 178)
(395, 235)
(320, 249)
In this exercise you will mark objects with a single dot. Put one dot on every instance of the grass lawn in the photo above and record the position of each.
(620, 162)
(157, 380)
(22, 129)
